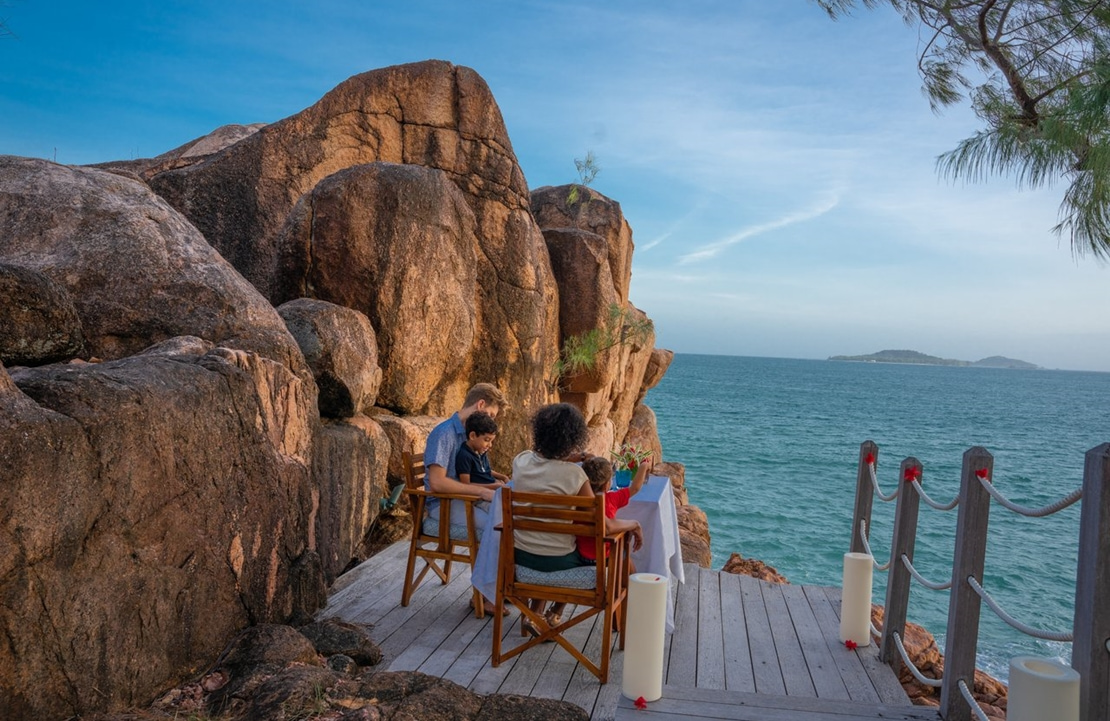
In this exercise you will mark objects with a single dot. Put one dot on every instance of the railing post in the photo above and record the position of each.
(962, 636)
(898, 577)
(1090, 653)
(864, 494)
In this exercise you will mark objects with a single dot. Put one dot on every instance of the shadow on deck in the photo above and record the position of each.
(742, 649)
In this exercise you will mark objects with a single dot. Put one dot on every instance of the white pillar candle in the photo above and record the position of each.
(855, 601)
(1042, 688)
(643, 638)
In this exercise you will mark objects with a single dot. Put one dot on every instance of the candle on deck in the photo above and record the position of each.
(643, 638)
(1042, 688)
(855, 603)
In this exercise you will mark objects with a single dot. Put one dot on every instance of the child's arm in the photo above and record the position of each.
(464, 478)
(616, 525)
(638, 480)
(500, 477)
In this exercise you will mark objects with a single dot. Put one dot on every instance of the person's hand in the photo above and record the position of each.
(637, 537)
(486, 493)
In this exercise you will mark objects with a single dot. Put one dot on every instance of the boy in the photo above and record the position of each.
(472, 460)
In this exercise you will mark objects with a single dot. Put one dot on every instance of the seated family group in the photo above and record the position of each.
(457, 461)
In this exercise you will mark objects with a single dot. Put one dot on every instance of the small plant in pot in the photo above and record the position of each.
(627, 459)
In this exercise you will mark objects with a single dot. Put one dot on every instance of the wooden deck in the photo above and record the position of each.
(742, 649)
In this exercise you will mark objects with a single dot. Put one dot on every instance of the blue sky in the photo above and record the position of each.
(777, 168)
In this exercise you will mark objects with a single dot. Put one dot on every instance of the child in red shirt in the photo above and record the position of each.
(600, 473)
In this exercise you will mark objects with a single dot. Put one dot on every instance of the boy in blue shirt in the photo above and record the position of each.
(472, 460)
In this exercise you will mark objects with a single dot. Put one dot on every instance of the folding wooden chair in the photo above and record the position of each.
(441, 541)
(593, 590)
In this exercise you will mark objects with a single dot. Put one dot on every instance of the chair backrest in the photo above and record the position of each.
(550, 513)
(414, 470)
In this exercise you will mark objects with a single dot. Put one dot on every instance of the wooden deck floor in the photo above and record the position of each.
(742, 649)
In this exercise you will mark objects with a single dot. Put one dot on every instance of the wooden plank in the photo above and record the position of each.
(711, 649)
(672, 588)
(410, 651)
(1092, 588)
(715, 704)
(489, 679)
(388, 556)
(882, 676)
(584, 686)
(457, 643)
(822, 670)
(556, 676)
(792, 661)
(734, 637)
(848, 665)
(476, 659)
(765, 662)
(682, 664)
(402, 625)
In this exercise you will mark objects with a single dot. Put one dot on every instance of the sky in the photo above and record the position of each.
(777, 167)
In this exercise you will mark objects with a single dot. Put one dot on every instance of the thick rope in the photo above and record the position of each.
(921, 579)
(931, 682)
(867, 547)
(930, 502)
(875, 485)
(875, 632)
(1034, 512)
(1028, 630)
(972, 702)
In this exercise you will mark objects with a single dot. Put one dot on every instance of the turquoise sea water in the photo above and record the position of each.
(771, 445)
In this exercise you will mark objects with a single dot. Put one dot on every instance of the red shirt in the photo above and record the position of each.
(613, 500)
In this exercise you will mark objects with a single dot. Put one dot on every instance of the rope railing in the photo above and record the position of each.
(966, 692)
(921, 579)
(875, 484)
(923, 680)
(934, 504)
(867, 547)
(1032, 512)
(1027, 630)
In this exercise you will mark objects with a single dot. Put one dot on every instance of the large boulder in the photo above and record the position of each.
(190, 153)
(430, 114)
(594, 213)
(39, 319)
(150, 508)
(341, 349)
(137, 271)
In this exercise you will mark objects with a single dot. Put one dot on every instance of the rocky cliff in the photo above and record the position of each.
(212, 360)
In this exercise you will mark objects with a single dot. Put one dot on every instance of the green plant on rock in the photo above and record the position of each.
(581, 352)
(587, 172)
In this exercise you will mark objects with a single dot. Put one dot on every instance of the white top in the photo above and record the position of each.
(533, 473)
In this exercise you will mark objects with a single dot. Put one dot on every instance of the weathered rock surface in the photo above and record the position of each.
(333, 636)
(752, 567)
(693, 536)
(430, 114)
(190, 153)
(153, 506)
(341, 349)
(137, 271)
(39, 319)
(349, 467)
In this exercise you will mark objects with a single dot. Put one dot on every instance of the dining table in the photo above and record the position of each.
(661, 553)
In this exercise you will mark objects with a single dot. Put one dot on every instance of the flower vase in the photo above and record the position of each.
(622, 478)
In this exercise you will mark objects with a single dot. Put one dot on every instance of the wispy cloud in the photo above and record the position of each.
(819, 208)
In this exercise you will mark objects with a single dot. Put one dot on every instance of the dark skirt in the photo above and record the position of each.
(550, 563)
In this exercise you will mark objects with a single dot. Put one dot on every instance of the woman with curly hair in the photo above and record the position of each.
(559, 435)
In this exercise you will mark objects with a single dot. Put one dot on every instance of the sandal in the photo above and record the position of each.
(527, 628)
(553, 619)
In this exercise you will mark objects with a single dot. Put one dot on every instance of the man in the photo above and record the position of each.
(443, 445)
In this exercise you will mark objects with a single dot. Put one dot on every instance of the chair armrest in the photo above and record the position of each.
(442, 496)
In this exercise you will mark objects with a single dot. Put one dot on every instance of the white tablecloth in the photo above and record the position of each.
(661, 553)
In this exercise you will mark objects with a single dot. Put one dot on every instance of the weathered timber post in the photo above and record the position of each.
(864, 494)
(1090, 653)
(898, 578)
(964, 603)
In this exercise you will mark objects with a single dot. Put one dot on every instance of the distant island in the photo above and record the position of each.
(915, 357)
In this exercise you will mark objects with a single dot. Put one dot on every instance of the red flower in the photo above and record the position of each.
(912, 473)
(869, 458)
(982, 473)
(850, 645)
(641, 703)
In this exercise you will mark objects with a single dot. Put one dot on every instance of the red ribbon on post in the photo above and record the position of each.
(912, 474)
(869, 458)
(982, 473)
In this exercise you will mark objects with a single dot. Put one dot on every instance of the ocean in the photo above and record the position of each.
(771, 445)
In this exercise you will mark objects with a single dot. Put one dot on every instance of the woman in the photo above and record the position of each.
(559, 433)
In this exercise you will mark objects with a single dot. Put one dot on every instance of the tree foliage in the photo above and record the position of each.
(1037, 72)
(581, 352)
